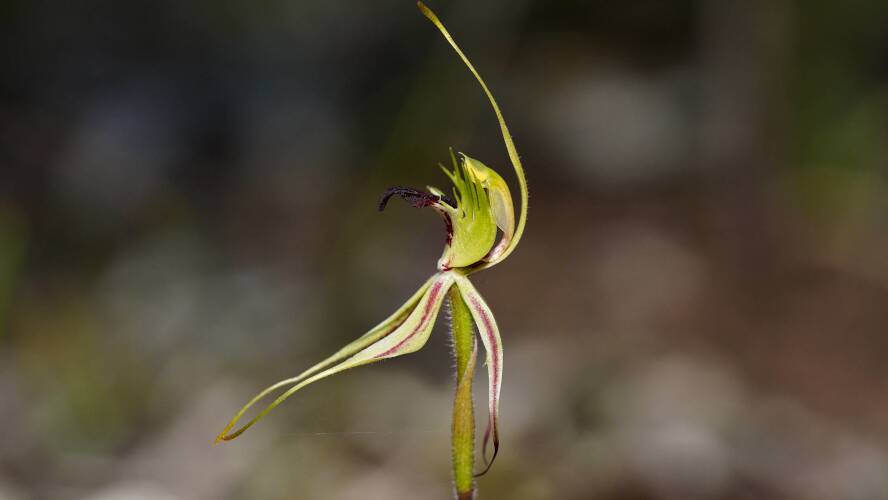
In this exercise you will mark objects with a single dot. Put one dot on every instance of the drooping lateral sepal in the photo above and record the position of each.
(405, 331)
(490, 338)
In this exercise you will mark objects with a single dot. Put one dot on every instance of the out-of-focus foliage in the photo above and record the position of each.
(697, 311)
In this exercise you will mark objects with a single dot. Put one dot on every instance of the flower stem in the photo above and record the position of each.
(463, 428)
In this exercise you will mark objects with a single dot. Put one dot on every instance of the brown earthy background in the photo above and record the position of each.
(699, 309)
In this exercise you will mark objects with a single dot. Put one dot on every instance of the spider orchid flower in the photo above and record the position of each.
(481, 205)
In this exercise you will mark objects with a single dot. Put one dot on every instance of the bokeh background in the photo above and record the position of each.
(698, 310)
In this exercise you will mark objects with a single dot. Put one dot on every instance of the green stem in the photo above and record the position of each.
(463, 431)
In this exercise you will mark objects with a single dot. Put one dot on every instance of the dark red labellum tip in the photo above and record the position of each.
(415, 197)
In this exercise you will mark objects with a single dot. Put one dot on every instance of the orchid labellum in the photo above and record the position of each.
(480, 207)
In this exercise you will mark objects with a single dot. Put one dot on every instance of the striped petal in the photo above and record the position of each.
(405, 331)
(493, 344)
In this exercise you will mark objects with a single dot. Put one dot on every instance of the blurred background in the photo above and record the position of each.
(188, 194)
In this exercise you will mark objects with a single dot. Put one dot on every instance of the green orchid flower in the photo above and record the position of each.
(481, 207)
